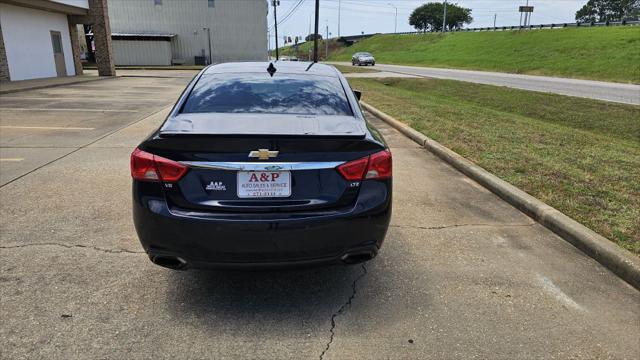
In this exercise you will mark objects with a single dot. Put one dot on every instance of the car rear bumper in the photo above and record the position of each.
(182, 239)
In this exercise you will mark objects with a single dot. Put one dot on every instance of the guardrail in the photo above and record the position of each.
(540, 26)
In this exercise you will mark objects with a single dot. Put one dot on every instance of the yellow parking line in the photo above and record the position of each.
(11, 159)
(81, 110)
(45, 127)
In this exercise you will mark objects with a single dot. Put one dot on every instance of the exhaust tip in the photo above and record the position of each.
(170, 262)
(357, 258)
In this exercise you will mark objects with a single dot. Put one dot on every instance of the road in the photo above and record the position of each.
(615, 92)
(462, 274)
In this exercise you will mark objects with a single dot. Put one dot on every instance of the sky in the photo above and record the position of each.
(372, 16)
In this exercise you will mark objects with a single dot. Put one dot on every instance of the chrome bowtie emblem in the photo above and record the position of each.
(263, 154)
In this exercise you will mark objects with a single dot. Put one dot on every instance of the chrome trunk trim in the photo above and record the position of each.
(265, 166)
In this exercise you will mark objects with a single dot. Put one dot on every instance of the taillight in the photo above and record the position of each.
(375, 166)
(379, 165)
(142, 166)
(354, 170)
(169, 170)
(149, 167)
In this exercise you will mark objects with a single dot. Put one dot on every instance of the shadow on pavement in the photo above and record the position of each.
(258, 300)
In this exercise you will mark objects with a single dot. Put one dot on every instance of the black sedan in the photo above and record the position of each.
(263, 165)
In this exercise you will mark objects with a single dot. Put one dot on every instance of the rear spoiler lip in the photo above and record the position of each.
(166, 134)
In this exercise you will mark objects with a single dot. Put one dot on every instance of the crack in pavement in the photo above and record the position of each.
(111, 251)
(460, 225)
(342, 309)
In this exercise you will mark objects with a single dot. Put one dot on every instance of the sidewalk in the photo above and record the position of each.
(164, 73)
(7, 87)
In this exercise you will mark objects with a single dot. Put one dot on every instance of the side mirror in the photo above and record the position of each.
(358, 94)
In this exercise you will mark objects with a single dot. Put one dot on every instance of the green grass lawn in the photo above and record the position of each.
(609, 54)
(578, 155)
(355, 69)
(302, 53)
(305, 50)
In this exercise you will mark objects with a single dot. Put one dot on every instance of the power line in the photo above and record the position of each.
(288, 16)
(291, 11)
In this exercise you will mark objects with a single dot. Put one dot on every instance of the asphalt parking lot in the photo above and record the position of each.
(462, 274)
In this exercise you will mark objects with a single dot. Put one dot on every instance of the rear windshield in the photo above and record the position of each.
(261, 93)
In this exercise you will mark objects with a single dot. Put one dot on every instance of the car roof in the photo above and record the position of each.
(282, 67)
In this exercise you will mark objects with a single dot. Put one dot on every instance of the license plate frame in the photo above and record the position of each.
(264, 186)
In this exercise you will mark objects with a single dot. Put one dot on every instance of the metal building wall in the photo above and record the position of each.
(136, 52)
(238, 27)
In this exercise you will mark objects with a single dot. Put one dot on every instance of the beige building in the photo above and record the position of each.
(39, 38)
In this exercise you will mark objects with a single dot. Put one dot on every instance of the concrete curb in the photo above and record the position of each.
(45, 86)
(621, 262)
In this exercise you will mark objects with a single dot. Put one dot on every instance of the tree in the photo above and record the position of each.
(609, 10)
(428, 17)
(310, 37)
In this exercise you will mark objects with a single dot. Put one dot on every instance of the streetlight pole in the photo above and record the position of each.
(444, 18)
(326, 44)
(339, 6)
(395, 28)
(275, 23)
(208, 41)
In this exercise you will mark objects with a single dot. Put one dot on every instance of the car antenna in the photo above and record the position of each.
(309, 67)
(271, 69)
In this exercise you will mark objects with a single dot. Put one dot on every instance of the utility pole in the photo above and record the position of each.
(275, 23)
(444, 18)
(315, 33)
(495, 16)
(395, 27)
(339, 6)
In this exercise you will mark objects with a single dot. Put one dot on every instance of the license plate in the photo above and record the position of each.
(264, 184)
